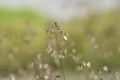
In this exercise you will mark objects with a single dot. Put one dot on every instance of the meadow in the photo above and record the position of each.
(96, 38)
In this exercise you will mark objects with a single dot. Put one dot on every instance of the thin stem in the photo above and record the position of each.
(61, 63)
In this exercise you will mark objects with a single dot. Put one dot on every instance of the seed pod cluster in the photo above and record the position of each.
(57, 37)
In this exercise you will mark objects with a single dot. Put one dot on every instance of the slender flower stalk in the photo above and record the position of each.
(61, 62)
(54, 46)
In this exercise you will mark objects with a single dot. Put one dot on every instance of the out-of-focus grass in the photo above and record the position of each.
(71, 76)
(7, 15)
(23, 35)
(97, 38)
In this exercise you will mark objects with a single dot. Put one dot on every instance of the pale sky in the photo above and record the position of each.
(59, 8)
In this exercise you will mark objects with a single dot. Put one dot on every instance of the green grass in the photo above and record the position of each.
(105, 27)
(23, 35)
(70, 76)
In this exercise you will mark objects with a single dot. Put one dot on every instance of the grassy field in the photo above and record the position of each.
(23, 35)
(97, 38)
(72, 76)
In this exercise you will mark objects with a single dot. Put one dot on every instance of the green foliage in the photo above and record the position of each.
(20, 41)
(97, 38)
(23, 35)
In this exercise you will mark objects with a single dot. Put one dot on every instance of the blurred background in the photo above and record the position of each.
(93, 27)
